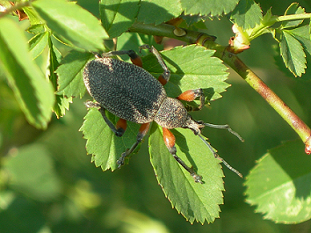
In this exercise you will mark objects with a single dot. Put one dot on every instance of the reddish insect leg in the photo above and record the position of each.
(121, 124)
(169, 140)
(165, 76)
(141, 134)
(136, 60)
(191, 95)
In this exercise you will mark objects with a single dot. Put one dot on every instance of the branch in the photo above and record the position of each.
(236, 64)
(14, 8)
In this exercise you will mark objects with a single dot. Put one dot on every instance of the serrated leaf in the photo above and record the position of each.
(73, 23)
(116, 17)
(31, 89)
(102, 144)
(292, 54)
(62, 102)
(33, 16)
(294, 8)
(302, 35)
(61, 105)
(37, 44)
(158, 11)
(247, 14)
(70, 80)
(280, 184)
(211, 7)
(196, 202)
(36, 29)
(191, 67)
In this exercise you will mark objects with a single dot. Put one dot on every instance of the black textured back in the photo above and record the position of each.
(124, 89)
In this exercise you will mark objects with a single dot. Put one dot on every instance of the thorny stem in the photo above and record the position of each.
(236, 64)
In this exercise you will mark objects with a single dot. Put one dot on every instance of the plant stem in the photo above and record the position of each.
(14, 8)
(236, 64)
(293, 17)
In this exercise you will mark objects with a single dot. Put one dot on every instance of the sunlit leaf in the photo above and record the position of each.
(292, 53)
(38, 43)
(116, 16)
(32, 91)
(247, 14)
(195, 201)
(211, 7)
(158, 11)
(73, 23)
(102, 144)
(191, 67)
(294, 8)
(280, 184)
(70, 80)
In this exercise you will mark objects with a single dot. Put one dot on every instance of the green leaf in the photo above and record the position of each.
(33, 16)
(73, 23)
(204, 72)
(292, 53)
(61, 105)
(31, 172)
(32, 91)
(36, 29)
(37, 44)
(191, 67)
(158, 11)
(102, 144)
(211, 7)
(196, 202)
(247, 14)
(70, 72)
(303, 36)
(280, 184)
(62, 102)
(116, 17)
(293, 9)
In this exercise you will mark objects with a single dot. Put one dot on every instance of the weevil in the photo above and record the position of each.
(133, 94)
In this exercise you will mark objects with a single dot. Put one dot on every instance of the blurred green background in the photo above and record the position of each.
(48, 184)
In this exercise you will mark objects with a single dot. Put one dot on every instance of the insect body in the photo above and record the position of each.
(132, 94)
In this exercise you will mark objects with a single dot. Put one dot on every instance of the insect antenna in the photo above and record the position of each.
(227, 127)
(218, 157)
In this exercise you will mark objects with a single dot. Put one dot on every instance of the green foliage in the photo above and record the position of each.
(32, 91)
(106, 148)
(204, 71)
(292, 33)
(102, 144)
(72, 23)
(45, 75)
(247, 14)
(194, 201)
(116, 17)
(280, 184)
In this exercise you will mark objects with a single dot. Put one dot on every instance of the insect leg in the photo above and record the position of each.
(136, 60)
(221, 159)
(169, 140)
(165, 76)
(120, 127)
(141, 134)
(191, 95)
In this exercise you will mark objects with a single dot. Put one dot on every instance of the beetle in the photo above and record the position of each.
(133, 94)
